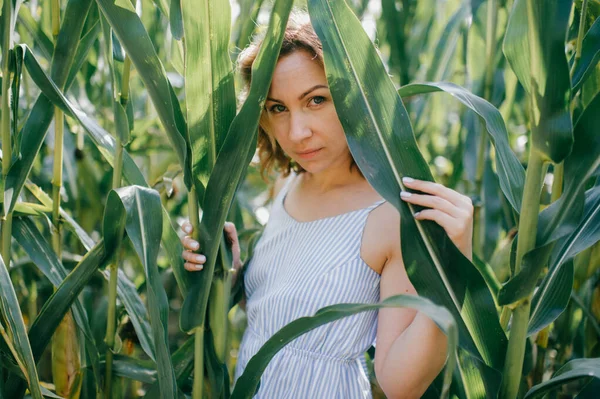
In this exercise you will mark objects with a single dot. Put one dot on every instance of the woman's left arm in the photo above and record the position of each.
(411, 349)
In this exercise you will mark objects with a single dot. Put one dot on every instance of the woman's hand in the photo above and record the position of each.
(195, 261)
(448, 208)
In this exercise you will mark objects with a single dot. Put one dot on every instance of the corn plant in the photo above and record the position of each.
(143, 96)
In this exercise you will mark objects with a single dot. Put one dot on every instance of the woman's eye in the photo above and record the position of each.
(318, 99)
(277, 108)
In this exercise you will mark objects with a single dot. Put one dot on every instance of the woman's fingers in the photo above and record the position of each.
(453, 227)
(192, 267)
(189, 243)
(456, 198)
(232, 235)
(187, 227)
(193, 257)
(434, 202)
(195, 261)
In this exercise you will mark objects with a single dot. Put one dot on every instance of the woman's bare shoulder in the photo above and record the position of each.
(381, 238)
(391, 227)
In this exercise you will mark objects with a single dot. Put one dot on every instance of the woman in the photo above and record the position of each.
(330, 239)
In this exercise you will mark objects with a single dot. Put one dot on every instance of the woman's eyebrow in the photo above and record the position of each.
(315, 87)
(307, 92)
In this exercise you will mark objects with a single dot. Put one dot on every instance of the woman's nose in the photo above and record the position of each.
(299, 127)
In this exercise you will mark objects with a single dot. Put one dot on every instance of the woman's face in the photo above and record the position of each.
(301, 116)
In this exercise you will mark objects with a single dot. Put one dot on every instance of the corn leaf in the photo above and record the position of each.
(176, 19)
(36, 126)
(41, 253)
(135, 208)
(134, 38)
(574, 370)
(381, 140)
(83, 49)
(35, 30)
(209, 91)
(106, 145)
(590, 54)
(552, 297)
(248, 382)
(121, 123)
(133, 369)
(244, 27)
(183, 361)
(17, 332)
(534, 46)
(231, 165)
(510, 171)
(563, 216)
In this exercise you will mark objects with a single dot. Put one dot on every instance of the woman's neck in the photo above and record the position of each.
(331, 179)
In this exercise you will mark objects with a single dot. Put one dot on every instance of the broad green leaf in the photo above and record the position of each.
(563, 216)
(121, 123)
(183, 361)
(551, 299)
(133, 37)
(245, 25)
(209, 92)
(247, 383)
(476, 45)
(446, 45)
(231, 165)
(510, 170)
(574, 370)
(69, 222)
(35, 30)
(41, 253)
(590, 54)
(83, 49)
(56, 307)
(42, 112)
(106, 145)
(61, 301)
(17, 331)
(176, 19)
(534, 46)
(381, 140)
(136, 207)
(133, 369)
(443, 54)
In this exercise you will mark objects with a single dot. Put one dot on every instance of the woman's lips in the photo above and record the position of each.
(309, 154)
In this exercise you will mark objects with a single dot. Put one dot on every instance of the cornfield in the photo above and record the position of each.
(120, 120)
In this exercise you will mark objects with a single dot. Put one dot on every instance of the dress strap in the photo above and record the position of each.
(286, 186)
(375, 205)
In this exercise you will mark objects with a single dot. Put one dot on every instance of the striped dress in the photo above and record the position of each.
(296, 269)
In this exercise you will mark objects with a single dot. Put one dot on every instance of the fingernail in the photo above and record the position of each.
(195, 245)
(405, 194)
(416, 214)
(408, 179)
(187, 228)
(200, 258)
(199, 267)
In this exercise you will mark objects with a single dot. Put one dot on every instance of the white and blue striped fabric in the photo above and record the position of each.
(296, 269)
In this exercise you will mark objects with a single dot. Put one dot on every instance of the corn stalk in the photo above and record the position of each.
(7, 14)
(490, 58)
(66, 366)
(119, 100)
